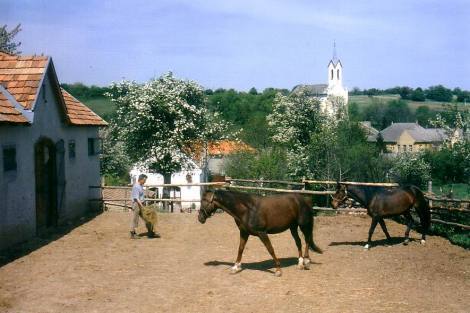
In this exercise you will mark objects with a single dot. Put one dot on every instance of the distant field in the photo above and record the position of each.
(101, 106)
(104, 107)
(366, 100)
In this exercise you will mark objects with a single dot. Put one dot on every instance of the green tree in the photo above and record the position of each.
(418, 95)
(7, 39)
(439, 93)
(269, 163)
(354, 112)
(424, 114)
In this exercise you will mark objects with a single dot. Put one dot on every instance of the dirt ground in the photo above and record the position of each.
(97, 268)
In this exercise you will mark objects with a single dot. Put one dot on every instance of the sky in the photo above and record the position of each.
(249, 43)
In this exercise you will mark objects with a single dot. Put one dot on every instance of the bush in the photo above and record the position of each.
(411, 169)
(269, 163)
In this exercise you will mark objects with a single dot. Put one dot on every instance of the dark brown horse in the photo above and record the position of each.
(382, 202)
(260, 216)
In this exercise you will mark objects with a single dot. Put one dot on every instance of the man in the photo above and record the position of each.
(137, 197)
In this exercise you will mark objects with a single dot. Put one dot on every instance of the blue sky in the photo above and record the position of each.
(244, 43)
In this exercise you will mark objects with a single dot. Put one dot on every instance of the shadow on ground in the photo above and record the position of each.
(264, 266)
(54, 233)
(383, 242)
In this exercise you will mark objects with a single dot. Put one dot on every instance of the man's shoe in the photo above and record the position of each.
(134, 235)
(153, 235)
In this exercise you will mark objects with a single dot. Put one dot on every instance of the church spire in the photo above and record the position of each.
(335, 57)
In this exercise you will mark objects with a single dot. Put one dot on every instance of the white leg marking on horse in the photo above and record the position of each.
(423, 242)
(278, 273)
(366, 246)
(307, 263)
(237, 267)
(301, 263)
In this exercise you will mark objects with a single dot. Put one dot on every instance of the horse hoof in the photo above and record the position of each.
(406, 242)
(278, 273)
(301, 266)
(307, 264)
(423, 242)
(366, 247)
(236, 269)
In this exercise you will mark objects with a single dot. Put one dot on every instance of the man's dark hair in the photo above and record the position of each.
(142, 176)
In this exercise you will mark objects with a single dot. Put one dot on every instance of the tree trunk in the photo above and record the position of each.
(166, 192)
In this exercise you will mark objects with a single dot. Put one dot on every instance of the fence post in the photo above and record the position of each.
(430, 191)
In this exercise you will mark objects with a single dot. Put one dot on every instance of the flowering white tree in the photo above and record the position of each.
(294, 121)
(159, 120)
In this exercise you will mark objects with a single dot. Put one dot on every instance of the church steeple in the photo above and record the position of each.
(335, 70)
(335, 57)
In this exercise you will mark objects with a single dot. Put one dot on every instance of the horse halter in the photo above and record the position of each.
(206, 214)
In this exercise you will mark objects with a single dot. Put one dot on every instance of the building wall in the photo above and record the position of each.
(406, 143)
(17, 189)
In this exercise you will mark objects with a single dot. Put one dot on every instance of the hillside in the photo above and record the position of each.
(363, 101)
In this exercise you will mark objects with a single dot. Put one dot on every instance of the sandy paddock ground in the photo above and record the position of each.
(96, 268)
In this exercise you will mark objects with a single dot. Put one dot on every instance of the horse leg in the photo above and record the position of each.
(409, 224)
(298, 243)
(267, 243)
(384, 228)
(307, 231)
(237, 267)
(373, 224)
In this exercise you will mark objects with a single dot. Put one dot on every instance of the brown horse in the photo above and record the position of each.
(260, 216)
(381, 202)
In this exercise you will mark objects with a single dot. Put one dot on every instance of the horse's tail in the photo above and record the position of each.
(422, 208)
(314, 247)
(309, 236)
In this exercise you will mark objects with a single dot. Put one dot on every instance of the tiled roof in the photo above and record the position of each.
(419, 133)
(21, 76)
(218, 148)
(80, 114)
(8, 112)
(311, 90)
(227, 147)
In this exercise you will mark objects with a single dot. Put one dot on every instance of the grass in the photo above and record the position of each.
(101, 106)
(363, 101)
(459, 191)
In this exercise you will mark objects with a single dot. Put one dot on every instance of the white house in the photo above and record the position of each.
(185, 193)
(333, 95)
(49, 150)
(208, 160)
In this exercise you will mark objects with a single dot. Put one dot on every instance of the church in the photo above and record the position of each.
(333, 95)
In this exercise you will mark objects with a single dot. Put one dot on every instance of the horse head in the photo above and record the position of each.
(340, 195)
(207, 206)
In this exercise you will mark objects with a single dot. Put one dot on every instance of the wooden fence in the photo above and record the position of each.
(119, 196)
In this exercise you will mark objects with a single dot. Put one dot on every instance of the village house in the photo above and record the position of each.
(409, 137)
(49, 150)
(207, 163)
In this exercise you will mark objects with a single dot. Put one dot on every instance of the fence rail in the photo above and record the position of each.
(118, 195)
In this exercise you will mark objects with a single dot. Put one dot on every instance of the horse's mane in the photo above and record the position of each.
(237, 196)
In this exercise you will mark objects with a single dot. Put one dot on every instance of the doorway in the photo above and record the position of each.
(46, 184)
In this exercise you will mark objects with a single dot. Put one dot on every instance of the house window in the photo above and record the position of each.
(72, 149)
(9, 158)
(404, 148)
(331, 74)
(410, 148)
(94, 146)
(337, 74)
